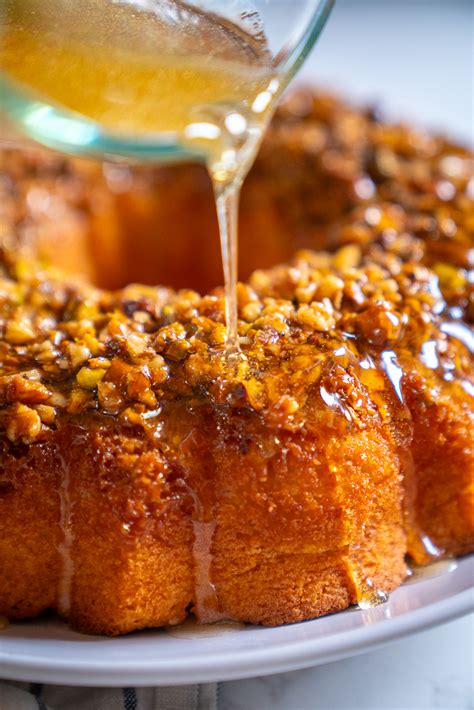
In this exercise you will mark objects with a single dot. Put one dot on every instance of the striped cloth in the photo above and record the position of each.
(24, 696)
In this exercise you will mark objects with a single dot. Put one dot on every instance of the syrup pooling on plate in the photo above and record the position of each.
(191, 629)
(437, 568)
(170, 70)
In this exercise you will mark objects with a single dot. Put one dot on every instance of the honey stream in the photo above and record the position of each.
(170, 72)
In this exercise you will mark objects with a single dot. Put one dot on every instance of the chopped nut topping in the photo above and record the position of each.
(396, 223)
(19, 330)
(89, 378)
(23, 423)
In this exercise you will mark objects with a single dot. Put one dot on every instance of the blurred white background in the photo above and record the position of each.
(414, 57)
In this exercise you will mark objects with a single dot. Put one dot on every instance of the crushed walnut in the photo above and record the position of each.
(397, 222)
(306, 324)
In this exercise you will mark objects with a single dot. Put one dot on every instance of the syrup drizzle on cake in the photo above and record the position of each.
(206, 598)
(352, 393)
(66, 544)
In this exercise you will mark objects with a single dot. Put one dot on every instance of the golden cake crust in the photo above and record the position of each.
(160, 475)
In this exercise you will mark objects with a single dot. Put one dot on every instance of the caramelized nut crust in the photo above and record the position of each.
(272, 485)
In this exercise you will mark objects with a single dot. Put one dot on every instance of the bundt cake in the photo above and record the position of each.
(144, 474)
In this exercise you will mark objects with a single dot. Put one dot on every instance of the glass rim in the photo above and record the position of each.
(45, 123)
(303, 47)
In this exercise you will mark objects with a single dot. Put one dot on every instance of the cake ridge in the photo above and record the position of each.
(289, 483)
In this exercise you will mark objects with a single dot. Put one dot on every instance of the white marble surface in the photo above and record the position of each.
(414, 57)
(430, 670)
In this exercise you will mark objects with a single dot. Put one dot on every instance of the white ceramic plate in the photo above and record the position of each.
(49, 652)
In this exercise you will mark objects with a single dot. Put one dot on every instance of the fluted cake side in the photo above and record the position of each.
(144, 474)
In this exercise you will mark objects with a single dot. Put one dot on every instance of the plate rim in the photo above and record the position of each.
(219, 666)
